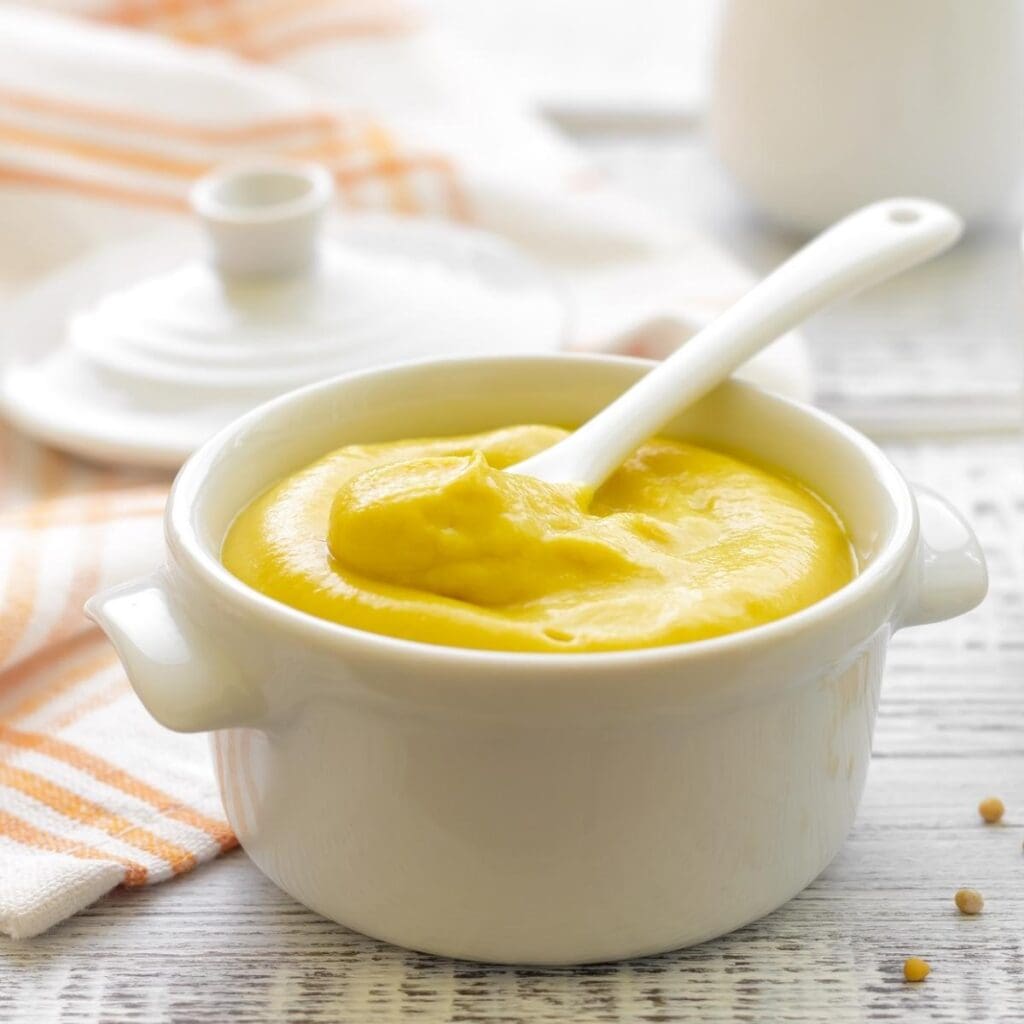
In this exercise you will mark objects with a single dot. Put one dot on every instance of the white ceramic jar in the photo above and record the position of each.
(534, 808)
(820, 106)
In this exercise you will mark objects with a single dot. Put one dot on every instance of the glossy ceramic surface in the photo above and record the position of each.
(523, 807)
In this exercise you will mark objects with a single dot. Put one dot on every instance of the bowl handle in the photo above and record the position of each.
(185, 683)
(951, 574)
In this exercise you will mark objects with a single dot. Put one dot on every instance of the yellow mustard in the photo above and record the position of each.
(429, 540)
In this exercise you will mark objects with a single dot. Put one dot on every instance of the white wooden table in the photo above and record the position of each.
(942, 349)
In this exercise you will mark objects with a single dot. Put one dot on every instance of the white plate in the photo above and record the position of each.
(150, 396)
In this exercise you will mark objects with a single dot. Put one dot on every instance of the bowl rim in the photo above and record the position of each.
(187, 551)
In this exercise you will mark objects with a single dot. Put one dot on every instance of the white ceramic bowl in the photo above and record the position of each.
(534, 808)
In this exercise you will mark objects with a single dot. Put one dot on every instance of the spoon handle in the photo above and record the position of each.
(859, 251)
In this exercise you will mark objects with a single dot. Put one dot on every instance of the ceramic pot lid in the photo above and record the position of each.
(138, 354)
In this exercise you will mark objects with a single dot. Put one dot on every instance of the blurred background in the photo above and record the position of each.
(727, 125)
(822, 92)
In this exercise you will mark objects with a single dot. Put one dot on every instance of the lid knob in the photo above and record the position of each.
(263, 217)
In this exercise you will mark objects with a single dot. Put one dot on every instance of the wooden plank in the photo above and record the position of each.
(225, 944)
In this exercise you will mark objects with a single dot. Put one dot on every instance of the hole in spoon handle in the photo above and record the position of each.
(904, 215)
(921, 215)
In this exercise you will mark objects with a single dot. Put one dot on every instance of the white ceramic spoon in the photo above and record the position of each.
(861, 250)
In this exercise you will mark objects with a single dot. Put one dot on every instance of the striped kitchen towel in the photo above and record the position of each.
(106, 117)
(92, 793)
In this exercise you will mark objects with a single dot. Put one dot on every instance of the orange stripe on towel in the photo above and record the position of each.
(51, 473)
(384, 169)
(67, 679)
(20, 587)
(115, 690)
(136, 159)
(226, 23)
(144, 12)
(266, 131)
(397, 165)
(246, 20)
(26, 834)
(19, 597)
(87, 572)
(110, 774)
(317, 34)
(89, 509)
(26, 668)
(95, 189)
(380, 143)
(105, 509)
(79, 808)
(386, 163)
(233, 24)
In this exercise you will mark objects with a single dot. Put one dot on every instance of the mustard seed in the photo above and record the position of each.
(991, 809)
(969, 901)
(916, 969)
